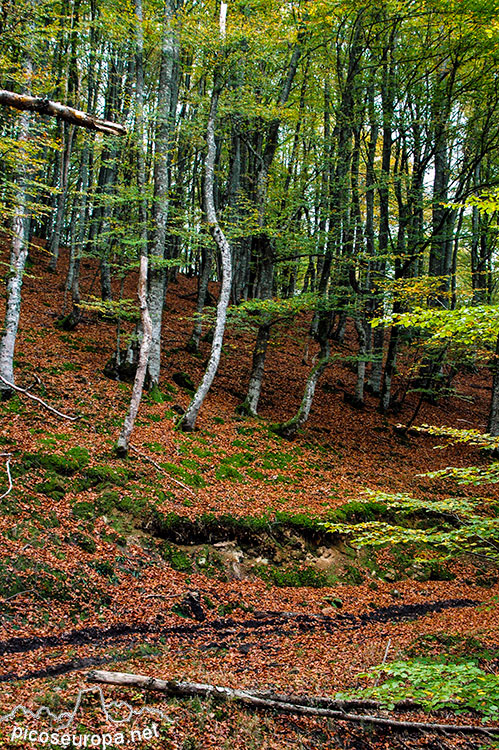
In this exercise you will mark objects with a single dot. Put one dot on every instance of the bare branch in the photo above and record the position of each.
(254, 700)
(39, 400)
(56, 109)
(158, 467)
(7, 469)
(21, 593)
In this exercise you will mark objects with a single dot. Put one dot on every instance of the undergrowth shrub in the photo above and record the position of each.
(435, 685)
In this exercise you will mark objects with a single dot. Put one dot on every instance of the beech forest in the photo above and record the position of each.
(249, 374)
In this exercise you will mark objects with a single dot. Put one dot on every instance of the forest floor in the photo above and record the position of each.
(210, 564)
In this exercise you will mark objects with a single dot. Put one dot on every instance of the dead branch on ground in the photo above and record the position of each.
(281, 703)
(38, 400)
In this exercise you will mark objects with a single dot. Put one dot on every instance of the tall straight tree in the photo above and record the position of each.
(145, 317)
(261, 242)
(168, 86)
(18, 251)
(188, 421)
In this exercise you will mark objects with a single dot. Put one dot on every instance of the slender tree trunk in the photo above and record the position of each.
(18, 255)
(263, 244)
(140, 374)
(167, 104)
(145, 317)
(189, 419)
(250, 406)
(193, 343)
(55, 238)
(379, 266)
(363, 329)
(73, 249)
(75, 314)
(493, 425)
(291, 427)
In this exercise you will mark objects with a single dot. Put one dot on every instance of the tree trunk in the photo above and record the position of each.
(363, 330)
(193, 343)
(145, 317)
(379, 266)
(262, 242)
(140, 374)
(313, 706)
(250, 405)
(189, 419)
(55, 109)
(167, 104)
(290, 428)
(493, 425)
(18, 255)
(55, 238)
(79, 241)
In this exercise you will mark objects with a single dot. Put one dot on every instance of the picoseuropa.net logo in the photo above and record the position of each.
(61, 734)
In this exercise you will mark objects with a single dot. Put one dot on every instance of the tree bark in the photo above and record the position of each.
(281, 703)
(145, 317)
(265, 251)
(55, 238)
(18, 255)
(363, 331)
(167, 104)
(193, 343)
(189, 419)
(379, 265)
(55, 109)
(140, 374)
(493, 425)
(290, 428)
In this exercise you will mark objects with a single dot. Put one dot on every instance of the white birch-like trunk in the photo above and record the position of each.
(145, 316)
(18, 255)
(189, 418)
(145, 348)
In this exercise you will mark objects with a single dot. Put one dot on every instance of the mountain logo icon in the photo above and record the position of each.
(64, 719)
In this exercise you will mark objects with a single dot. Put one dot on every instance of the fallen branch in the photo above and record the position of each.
(160, 596)
(56, 109)
(39, 400)
(21, 593)
(160, 469)
(289, 705)
(9, 476)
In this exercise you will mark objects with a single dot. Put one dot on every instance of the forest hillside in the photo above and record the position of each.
(201, 556)
(249, 374)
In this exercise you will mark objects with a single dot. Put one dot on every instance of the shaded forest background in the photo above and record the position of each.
(351, 173)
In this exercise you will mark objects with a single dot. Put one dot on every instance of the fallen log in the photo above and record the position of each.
(56, 109)
(280, 703)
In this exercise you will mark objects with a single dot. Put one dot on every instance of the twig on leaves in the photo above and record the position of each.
(38, 400)
(161, 470)
(28, 591)
(8, 456)
(160, 596)
(384, 660)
